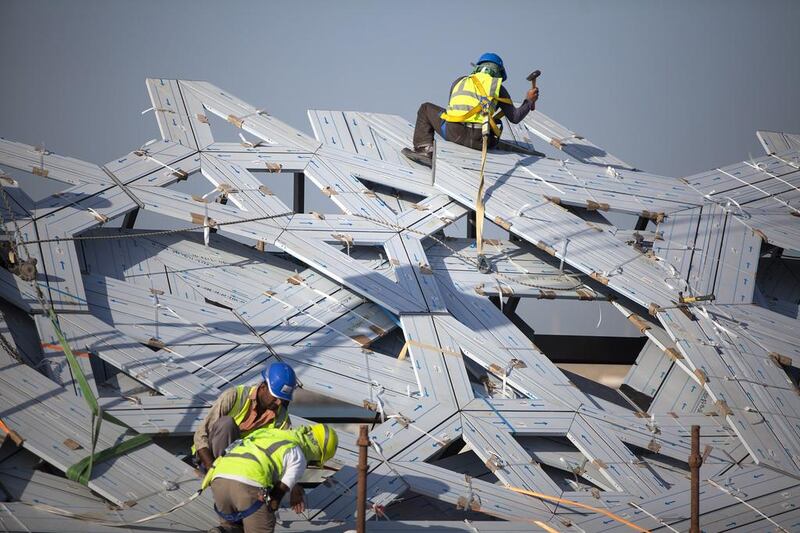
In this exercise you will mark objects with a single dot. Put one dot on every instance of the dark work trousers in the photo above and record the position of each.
(222, 433)
(429, 122)
(231, 497)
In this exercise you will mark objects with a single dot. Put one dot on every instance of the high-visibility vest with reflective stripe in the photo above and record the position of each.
(241, 406)
(258, 457)
(473, 99)
(242, 403)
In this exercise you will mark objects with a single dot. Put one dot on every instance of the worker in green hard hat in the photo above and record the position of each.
(251, 478)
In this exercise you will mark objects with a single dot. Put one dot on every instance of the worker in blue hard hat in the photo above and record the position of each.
(474, 101)
(243, 409)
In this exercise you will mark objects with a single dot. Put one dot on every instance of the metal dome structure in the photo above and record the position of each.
(376, 307)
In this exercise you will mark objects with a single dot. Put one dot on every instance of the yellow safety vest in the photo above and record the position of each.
(241, 406)
(474, 99)
(258, 457)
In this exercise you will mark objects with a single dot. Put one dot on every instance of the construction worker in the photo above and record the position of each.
(252, 477)
(243, 409)
(473, 102)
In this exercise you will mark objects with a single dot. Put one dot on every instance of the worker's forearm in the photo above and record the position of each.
(221, 407)
(276, 495)
(516, 114)
(206, 457)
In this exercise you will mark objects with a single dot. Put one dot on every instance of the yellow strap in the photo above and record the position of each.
(578, 504)
(470, 113)
(478, 85)
(544, 526)
(418, 344)
(479, 199)
(495, 129)
(460, 118)
(482, 91)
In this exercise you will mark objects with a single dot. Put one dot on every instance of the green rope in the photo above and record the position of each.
(82, 470)
(88, 395)
(77, 372)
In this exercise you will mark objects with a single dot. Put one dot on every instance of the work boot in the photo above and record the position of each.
(422, 155)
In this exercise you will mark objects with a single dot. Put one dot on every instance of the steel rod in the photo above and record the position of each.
(695, 461)
(361, 494)
(299, 192)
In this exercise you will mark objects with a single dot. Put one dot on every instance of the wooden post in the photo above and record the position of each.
(299, 192)
(695, 461)
(361, 493)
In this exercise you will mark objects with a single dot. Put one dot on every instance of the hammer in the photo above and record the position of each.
(532, 77)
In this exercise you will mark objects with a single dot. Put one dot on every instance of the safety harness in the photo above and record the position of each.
(487, 102)
(483, 113)
(238, 516)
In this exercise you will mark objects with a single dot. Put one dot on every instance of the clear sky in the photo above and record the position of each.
(673, 87)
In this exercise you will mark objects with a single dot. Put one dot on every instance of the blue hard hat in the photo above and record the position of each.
(489, 57)
(280, 380)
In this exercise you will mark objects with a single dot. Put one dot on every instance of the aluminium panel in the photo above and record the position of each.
(257, 122)
(171, 113)
(506, 458)
(157, 370)
(44, 163)
(568, 141)
(776, 142)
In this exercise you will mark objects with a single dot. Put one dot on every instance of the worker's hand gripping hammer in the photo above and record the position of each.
(533, 93)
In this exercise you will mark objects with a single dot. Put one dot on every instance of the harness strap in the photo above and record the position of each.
(479, 107)
(238, 516)
(489, 98)
(461, 118)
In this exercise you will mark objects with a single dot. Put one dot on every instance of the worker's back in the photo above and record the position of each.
(255, 459)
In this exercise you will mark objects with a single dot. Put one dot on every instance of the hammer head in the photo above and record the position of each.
(533, 75)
